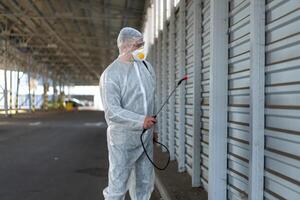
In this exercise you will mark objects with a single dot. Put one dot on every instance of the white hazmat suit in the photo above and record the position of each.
(127, 92)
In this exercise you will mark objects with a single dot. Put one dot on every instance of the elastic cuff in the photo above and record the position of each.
(141, 123)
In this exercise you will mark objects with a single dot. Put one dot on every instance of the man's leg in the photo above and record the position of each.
(144, 176)
(119, 170)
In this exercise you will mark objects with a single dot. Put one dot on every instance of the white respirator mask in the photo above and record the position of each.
(139, 54)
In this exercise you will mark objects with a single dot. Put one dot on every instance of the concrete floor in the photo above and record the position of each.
(53, 156)
(179, 187)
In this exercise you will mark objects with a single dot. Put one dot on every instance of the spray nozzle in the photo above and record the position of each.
(186, 77)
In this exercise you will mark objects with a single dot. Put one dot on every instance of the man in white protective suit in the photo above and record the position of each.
(127, 90)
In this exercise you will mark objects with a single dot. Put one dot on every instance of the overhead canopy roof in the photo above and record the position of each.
(75, 39)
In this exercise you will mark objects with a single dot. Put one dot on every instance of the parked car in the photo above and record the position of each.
(72, 104)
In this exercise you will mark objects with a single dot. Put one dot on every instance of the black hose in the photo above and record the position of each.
(144, 131)
(152, 162)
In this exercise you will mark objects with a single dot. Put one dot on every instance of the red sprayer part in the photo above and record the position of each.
(186, 77)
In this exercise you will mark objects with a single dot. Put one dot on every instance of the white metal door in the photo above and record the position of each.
(282, 113)
(205, 63)
(238, 99)
(189, 65)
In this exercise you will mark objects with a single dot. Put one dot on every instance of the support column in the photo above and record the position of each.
(197, 94)
(63, 88)
(257, 99)
(164, 76)
(45, 95)
(60, 87)
(54, 99)
(59, 100)
(17, 92)
(172, 81)
(159, 67)
(10, 92)
(181, 164)
(218, 100)
(5, 92)
(5, 81)
(29, 91)
(33, 100)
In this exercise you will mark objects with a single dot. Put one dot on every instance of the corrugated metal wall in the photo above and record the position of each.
(205, 38)
(238, 98)
(189, 65)
(171, 79)
(177, 77)
(282, 79)
(282, 94)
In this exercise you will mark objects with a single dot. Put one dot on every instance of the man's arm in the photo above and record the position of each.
(111, 99)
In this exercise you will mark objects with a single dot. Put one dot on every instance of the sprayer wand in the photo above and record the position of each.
(141, 137)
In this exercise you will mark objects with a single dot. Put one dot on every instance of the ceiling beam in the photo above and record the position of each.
(68, 17)
(67, 36)
(60, 40)
(20, 25)
(43, 28)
